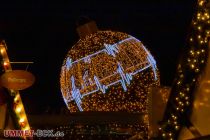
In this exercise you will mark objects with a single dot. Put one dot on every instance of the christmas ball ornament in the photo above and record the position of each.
(108, 71)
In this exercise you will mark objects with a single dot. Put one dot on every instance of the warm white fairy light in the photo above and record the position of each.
(108, 71)
(184, 87)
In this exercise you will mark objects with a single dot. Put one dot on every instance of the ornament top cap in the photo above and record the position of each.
(86, 29)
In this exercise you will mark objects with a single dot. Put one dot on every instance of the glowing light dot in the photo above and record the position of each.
(201, 3)
(205, 40)
(197, 70)
(18, 109)
(192, 52)
(2, 51)
(163, 134)
(5, 63)
(191, 39)
(182, 95)
(21, 120)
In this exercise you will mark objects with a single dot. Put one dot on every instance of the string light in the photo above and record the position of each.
(182, 91)
(109, 71)
(120, 83)
(112, 129)
(18, 107)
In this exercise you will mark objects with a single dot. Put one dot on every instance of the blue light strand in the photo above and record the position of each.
(151, 60)
(140, 70)
(84, 78)
(99, 85)
(76, 94)
(68, 63)
(125, 77)
(87, 59)
(103, 50)
(111, 49)
(153, 64)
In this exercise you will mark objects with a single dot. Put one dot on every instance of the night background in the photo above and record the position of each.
(43, 32)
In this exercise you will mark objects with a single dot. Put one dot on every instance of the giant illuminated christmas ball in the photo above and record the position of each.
(108, 71)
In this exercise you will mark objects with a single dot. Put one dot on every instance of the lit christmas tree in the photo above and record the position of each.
(180, 102)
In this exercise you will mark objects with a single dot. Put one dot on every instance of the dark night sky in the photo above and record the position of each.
(43, 32)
